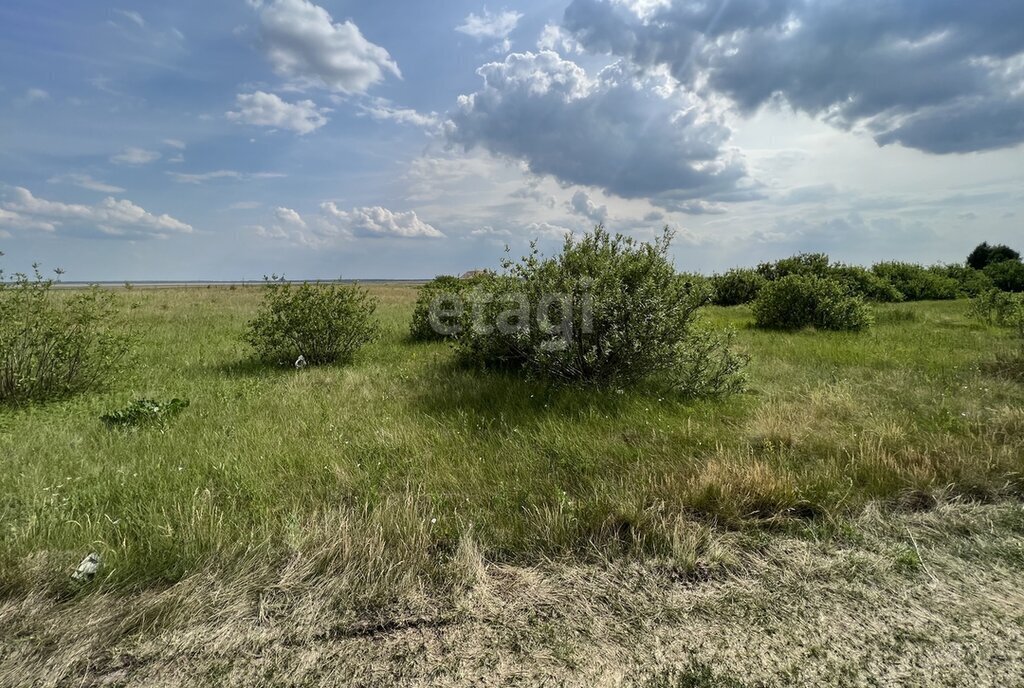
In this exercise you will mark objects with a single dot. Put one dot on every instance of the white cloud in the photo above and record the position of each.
(383, 109)
(86, 182)
(35, 95)
(13, 220)
(201, 177)
(245, 205)
(495, 26)
(133, 17)
(378, 222)
(111, 216)
(135, 156)
(289, 217)
(303, 43)
(268, 110)
(175, 143)
(582, 205)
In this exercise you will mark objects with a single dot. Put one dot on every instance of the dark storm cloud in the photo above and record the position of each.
(942, 76)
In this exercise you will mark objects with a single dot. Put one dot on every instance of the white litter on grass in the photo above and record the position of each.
(86, 571)
(300, 363)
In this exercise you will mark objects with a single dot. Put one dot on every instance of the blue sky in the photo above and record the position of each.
(228, 140)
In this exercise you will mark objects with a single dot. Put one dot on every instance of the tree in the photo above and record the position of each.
(984, 255)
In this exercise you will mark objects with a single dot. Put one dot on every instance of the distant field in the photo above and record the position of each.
(393, 488)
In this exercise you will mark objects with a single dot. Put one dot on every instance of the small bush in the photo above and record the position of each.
(798, 301)
(144, 412)
(1007, 275)
(737, 286)
(816, 264)
(436, 298)
(995, 307)
(323, 323)
(607, 310)
(858, 280)
(56, 344)
(916, 282)
(984, 255)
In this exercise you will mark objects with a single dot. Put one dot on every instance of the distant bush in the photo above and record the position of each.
(607, 310)
(323, 323)
(56, 344)
(984, 255)
(971, 282)
(858, 280)
(816, 264)
(737, 286)
(917, 283)
(1007, 275)
(998, 308)
(144, 412)
(798, 301)
(436, 298)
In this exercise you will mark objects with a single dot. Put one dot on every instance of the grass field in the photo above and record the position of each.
(401, 490)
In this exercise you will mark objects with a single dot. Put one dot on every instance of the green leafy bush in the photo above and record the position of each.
(323, 323)
(737, 286)
(801, 264)
(144, 412)
(998, 308)
(607, 310)
(1007, 275)
(984, 255)
(972, 282)
(437, 297)
(53, 344)
(858, 280)
(798, 301)
(917, 283)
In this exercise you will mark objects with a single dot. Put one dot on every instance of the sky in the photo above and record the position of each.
(229, 140)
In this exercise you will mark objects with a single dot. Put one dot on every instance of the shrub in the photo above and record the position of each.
(858, 280)
(737, 286)
(797, 301)
(436, 297)
(607, 310)
(984, 255)
(56, 344)
(144, 412)
(1007, 275)
(917, 283)
(995, 307)
(971, 282)
(320, 322)
(801, 264)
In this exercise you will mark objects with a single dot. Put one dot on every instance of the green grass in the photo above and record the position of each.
(387, 470)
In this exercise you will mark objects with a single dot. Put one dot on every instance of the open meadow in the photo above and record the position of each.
(857, 509)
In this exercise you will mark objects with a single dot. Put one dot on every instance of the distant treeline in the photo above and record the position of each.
(986, 268)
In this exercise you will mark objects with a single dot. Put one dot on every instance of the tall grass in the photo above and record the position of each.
(386, 468)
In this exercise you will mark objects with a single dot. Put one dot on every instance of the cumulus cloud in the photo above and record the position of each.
(175, 143)
(487, 25)
(939, 76)
(135, 156)
(630, 135)
(303, 43)
(378, 222)
(269, 110)
(111, 216)
(289, 217)
(582, 205)
(86, 182)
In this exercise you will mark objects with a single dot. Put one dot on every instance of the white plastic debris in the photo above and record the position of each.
(300, 363)
(86, 571)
